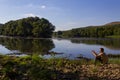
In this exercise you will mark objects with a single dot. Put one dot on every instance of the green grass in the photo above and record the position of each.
(114, 60)
(113, 36)
(35, 67)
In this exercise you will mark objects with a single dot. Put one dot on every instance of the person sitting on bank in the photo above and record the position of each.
(101, 57)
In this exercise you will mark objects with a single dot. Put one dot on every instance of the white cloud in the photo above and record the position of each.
(29, 15)
(43, 7)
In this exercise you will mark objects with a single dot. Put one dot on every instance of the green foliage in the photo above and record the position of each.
(28, 27)
(92, 31)
(38, 68)
(114, 60)
(113, 36)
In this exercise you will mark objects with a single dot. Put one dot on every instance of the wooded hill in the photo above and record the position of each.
(28, 27)
(110, 29)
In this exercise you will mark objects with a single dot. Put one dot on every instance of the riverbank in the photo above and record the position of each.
(114, 36)
(36, 68)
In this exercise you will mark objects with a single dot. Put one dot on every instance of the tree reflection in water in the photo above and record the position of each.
(109, 43)
(28, 46)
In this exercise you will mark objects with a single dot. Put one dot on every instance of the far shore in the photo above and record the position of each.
(95, 38)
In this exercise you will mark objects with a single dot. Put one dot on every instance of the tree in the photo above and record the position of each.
(94, 31)
(28, 27)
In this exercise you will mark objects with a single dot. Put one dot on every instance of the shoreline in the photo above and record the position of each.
(35, 68)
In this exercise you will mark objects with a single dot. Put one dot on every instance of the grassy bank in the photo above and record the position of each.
(114, 36)
(38, 68)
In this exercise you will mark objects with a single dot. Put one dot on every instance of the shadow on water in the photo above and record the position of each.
(108, 42)
(28, 46)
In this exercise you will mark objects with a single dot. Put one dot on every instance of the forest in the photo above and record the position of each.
(41, 27)
(28, 27)
(91, 31)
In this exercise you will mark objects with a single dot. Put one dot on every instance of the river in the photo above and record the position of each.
(70, 48)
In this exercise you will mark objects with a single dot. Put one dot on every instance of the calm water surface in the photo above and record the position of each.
(71, 48)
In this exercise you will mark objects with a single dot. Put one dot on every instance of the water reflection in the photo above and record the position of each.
(109, 43)
(28, 46)
(71, 48)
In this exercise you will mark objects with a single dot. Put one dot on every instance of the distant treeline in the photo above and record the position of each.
(93, 31)
(28, 27)
(1, 25)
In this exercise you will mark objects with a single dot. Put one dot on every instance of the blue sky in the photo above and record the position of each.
(64, 14)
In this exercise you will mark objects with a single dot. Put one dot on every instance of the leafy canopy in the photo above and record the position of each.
(31, 26)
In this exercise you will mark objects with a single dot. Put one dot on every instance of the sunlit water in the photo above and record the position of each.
(71, 48)
(4, 50)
